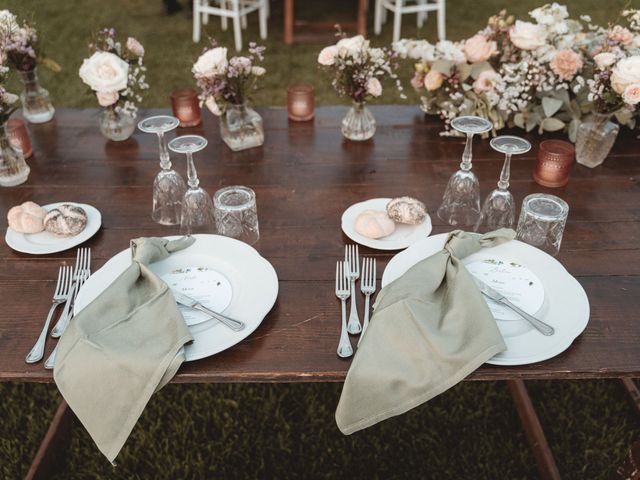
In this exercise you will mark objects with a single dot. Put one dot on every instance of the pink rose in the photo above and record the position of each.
(328, 55)
(604, 60)
(373, 87)
(212, 105)
(417, 81)
(479, 49)
(566, 63)
(106, 99)
(631, 94)
(621, 35)
(485, 81)
(626, 72)
(433, 80)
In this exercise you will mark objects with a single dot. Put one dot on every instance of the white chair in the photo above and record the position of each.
(401, 7)
(236, 10)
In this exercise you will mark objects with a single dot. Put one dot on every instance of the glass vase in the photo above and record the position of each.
(241, 127)
(13, 169)
(595, 139)
(36, 105)
(117, 125)
(359, 123)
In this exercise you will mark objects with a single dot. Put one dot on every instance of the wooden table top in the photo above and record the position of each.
(304, 176)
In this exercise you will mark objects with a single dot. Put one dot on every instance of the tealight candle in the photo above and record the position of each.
(300, 102)
(19, 136)
(555, 161)
(186, 107)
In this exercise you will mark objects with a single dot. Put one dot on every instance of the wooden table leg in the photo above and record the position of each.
(51, 451)
(288, 22)
(633, 391)
(532, 428)
(363, 7)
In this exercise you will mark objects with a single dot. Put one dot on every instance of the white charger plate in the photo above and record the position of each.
(254, 285)
(565, 308)
(402, 237)
(45, 242)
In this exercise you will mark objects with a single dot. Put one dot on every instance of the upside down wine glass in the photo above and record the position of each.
(197, 206)
(499, 208)
(461, 199)
(168, 186)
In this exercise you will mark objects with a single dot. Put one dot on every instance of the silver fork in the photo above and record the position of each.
(343, 291)
(368, 288)
(83, 262)
(83, 276)
(351, 257)
(60, 296)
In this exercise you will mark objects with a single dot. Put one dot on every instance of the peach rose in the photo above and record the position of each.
(566, 63)
(373, 87)
(433, 80)
(621, 35)
(631, 94)
(417, 81)
(479, 49)
(106, 99)
(328, 55)
(604, 60)
(485, 81)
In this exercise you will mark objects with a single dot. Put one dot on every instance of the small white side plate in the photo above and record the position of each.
(402, 237)
(45, 242)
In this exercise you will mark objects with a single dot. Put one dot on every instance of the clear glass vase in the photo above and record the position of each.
(359, 123)
(36, 105)
(595, 139)
(13, 169)
(241, 127)
(117, 126)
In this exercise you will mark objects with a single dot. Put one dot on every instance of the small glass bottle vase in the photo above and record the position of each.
(116, 125)
(13, 169)
(595, 139)
(241, 127)
(359, 123)
(36, 105)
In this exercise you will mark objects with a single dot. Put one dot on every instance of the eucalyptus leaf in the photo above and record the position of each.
(443, 66)
(551, 105)
(552, 124)
(574, 125)
(478, 68)
(532, 121)
(519, 120)
(464, 70)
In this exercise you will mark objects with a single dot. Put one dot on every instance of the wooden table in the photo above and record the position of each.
(314, 31)
(305, 175)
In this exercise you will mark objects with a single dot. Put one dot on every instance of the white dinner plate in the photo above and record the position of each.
(45, 242)
(565, 307)
(253, 280)
(402, 237)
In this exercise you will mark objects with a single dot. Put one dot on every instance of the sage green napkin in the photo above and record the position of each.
(123, 347)
(431, 328)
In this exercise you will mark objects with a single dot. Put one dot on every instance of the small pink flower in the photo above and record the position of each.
(433, 80)
(106, 99)
(373, 87)
(135, 47)
(621, 35)
(479, 49)
(631, 94)
(417, 81)
(566, 63)
(485, 81)
(328, 55)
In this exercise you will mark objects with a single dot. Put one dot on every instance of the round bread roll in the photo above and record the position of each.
(406, 210)
(26, 218)
(66, 220)
(374, 224)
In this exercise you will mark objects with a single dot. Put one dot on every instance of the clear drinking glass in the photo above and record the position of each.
(169, 186)
(237, 214)
(499, 208)
(461, 199)
(197, 207)
(542, 222)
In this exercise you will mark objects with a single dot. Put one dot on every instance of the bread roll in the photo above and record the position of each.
(66, 220)
(26, 218)
(374, 224)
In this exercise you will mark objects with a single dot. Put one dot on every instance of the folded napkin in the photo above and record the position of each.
(123, 347)
(431, 328)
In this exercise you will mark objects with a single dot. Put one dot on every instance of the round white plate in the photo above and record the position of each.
(45, 242)
(254, 286)
(402, 237)
(565, 308)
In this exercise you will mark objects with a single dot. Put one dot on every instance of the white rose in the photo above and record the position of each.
(527, 36)
(373, 87)
(212, 106)
(10, 98)
(631, 94)
(105, 72)
(212, 62)
(135, 47)
(258, 71)
(351, 46)
(626, 72)
(8, 20)
(604, 60)
(106, 99)
(328, 55)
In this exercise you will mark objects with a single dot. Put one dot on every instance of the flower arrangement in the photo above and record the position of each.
(115, 72)
(224, 82)
(546, 74)
(8, 100)
(357, 68)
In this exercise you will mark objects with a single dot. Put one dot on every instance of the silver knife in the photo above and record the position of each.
(542, 327)
(182, 299)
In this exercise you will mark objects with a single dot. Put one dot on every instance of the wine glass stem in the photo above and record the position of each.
(466, 156)
(165, 159)
(191, 171)
(503, 184)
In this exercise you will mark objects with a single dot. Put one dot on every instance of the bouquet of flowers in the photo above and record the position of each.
(224, 82)
(115, 72)
(545, 74)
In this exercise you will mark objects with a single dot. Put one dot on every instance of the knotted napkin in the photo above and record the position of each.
(431, 328)
(123, 347)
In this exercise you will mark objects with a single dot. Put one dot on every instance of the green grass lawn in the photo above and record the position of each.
(288, 431)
